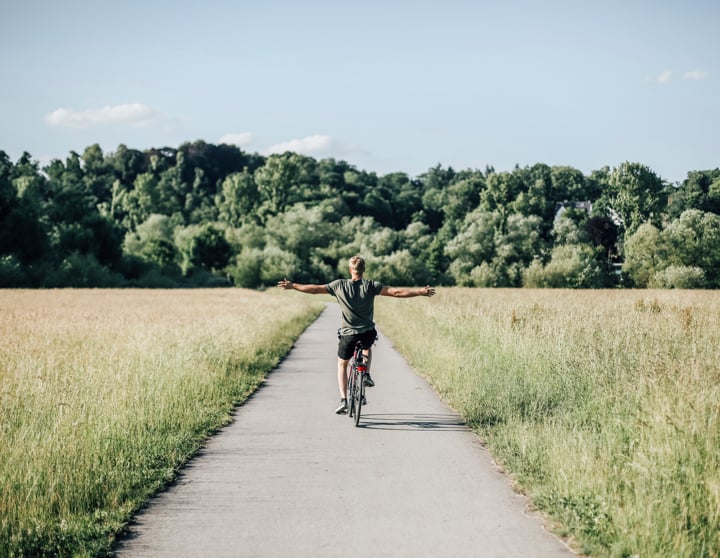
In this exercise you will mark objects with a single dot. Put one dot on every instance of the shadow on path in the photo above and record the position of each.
(412, 422)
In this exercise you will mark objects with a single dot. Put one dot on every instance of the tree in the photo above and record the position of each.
(434, 184)
(572, 266)
(475, 239)
(303, 231)
(75, 224)
(693, 241)
(8, 207)
(399, 268)
(637, 195)
(22, 197)
(266, 266)
(568, 183)
(516, 247)
(700, 190)
(333, 188)
(98, 175)
(238, 199)
(645, 254)
(202, 246)
(284, 180)
(216, 163)
(501, 189)
(473, 245)
(463, 195)
(402, 198)
(205, 206)
(601, 231)
(568, 227)
(134, 206)
(152, 241)
(172, 189)
(127, 163)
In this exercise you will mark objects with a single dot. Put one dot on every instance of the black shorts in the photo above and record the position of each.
(346, 346)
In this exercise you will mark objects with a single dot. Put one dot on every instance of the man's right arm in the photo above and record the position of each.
(286, 285)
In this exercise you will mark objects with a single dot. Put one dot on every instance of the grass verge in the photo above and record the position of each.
(603, 406)
(105, 394)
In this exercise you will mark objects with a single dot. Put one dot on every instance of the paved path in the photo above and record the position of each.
(289, 478)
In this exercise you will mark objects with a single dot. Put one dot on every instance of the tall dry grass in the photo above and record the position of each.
(104, 394)
(604, 406)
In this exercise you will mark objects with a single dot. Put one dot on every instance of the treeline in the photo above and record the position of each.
(205, 214)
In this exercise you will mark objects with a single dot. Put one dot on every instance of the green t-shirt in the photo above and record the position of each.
(356, 300)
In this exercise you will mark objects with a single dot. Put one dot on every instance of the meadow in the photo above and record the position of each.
(602, 406)
(105, 394)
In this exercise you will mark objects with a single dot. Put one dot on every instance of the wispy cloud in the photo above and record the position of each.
(135, 114)
(664, 77)
(240, 139)
(695, 74)
(317, 146)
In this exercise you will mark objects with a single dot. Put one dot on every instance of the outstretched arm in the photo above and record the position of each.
(407, 293)
(286, 285)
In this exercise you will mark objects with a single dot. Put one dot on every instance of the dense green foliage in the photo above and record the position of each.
(208, 214)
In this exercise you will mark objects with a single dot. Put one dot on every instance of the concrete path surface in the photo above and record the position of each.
(289, 478)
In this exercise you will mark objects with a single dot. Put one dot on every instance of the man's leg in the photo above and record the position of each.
(342, 377)
(342, 385)
(368, 358)
(368, 340)
(369, 382)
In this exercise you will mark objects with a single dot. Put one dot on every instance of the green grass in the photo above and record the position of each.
(603, 406)
(105, 394)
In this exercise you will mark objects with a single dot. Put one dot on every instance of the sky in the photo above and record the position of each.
(388, 86)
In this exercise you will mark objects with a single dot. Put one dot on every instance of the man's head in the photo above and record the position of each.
(357, 266)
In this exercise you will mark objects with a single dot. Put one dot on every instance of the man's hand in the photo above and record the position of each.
(427, 290)
(285, 285)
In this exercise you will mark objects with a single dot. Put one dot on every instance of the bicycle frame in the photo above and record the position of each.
(356, 383)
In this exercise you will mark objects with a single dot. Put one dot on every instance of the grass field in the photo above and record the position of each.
(604, 406)
(104, 394)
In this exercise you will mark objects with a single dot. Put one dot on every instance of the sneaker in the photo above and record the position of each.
(342, 409)
(364, 401)
(368, 380)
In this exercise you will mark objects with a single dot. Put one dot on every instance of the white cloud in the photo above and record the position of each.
(664, 77)
(241, 139)
(133, 113)
(318, 146)
(695, 74)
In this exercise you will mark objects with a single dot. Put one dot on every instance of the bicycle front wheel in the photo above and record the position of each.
(351, 391)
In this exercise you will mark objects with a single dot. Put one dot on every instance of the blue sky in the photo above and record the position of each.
(387, 86)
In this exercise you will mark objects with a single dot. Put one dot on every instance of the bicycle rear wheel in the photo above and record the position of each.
(359, 395)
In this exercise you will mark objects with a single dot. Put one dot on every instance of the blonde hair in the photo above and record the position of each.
(357, 264)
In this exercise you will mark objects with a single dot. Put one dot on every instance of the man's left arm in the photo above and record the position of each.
(399, 292)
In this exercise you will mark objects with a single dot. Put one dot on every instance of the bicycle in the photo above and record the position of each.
(356, 383)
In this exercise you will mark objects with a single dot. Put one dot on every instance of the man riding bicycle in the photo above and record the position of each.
(356, 298)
